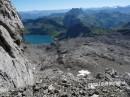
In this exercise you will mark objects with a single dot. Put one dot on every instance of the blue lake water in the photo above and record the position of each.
(38, 39)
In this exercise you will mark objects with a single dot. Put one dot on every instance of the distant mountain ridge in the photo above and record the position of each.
(37, 14)
(125, 9)
(77, 22)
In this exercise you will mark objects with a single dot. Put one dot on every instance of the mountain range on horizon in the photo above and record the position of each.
(78, 22)
(34, 14)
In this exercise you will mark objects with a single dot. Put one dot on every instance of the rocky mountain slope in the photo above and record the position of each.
(56, 83)
(14, 68)
(75, 68)
(92, 53)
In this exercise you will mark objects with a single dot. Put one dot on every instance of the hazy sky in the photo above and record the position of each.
(26, 5)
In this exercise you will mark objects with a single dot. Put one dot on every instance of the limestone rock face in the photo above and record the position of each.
(14, 68)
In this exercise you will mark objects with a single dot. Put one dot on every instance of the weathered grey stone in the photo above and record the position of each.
(14, 68)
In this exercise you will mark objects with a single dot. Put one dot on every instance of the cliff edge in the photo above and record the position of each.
(14, 68)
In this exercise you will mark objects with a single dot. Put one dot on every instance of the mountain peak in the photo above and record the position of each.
(75, 11)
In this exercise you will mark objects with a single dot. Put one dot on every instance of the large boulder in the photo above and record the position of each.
(14, 68)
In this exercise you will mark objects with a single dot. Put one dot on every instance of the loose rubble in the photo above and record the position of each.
(56, 83)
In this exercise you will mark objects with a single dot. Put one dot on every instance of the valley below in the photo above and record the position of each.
(57, 67)
(92, 53)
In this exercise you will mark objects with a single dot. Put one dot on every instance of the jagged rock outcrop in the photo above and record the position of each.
(75, 27)
(14, 68)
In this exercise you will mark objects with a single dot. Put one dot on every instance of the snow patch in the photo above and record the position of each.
(83, 73)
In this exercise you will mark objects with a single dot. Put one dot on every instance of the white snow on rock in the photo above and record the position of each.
(83, 73)
(95, 95)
